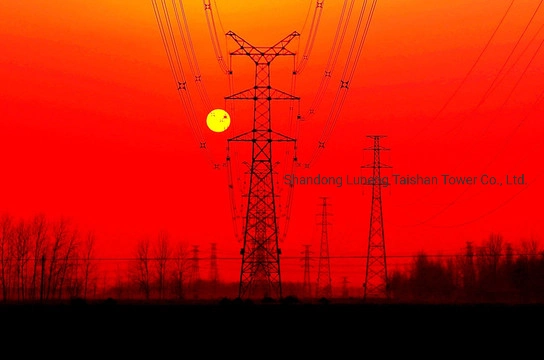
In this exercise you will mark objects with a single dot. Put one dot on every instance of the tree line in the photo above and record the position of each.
(44, 260)
(491, 271)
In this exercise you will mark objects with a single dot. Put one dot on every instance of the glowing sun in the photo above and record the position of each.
(218, 120)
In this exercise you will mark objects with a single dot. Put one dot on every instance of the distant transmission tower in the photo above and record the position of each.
(307, 284)
(260, 273)
(324, 281)
(376, 281)
(214, 271)
(195, 271)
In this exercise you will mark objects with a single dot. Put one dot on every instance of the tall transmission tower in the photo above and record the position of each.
(195, 271)
(324, 281)
(307, 283)
(214, 271)
(376, 281)
(260, 272)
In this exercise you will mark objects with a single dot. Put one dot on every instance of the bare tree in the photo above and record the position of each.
(89, 267)
(59, 238)
(430, 280)
(142, 269)
(529, 248)
(67, 266)
(494, 249)
(21, 252)
(162, 255)
(6, 239)
(179, 269)
(39, 231)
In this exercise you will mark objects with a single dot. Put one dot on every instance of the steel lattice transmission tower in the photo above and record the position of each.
(376, 281)
(260, 273)
(195, 272)
(307, 283)
(214, 271)
(324, 281)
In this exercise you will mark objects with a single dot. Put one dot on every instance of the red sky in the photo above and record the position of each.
(92, 127)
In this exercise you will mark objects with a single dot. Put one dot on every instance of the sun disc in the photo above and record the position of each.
(218, 120)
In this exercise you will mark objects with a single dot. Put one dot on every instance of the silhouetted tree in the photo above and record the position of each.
(489, 259)
(39, 235)
(161, 255)
(67, 267)
(143, 268)
(180, 268)
(21, 255)
(399, 285)
(59, 233)
(430, 280)
(6, 241)
(89, 267)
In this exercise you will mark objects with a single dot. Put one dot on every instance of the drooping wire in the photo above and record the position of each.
(178, 74)
(212, 29)
(236, 216)
(522, 75)
(316, 19)
(191, 54)
(332, 59)
(520, 56)
(192, 113)
(333, 56)
(303, 29)
(226, 67)
(492, 86)
(495, 209)
(346, 79)
(492, 120)
(485, 168)
(467, 75)
(488, 126)
(177, 79)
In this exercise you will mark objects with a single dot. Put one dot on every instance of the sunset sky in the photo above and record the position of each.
(92, 127)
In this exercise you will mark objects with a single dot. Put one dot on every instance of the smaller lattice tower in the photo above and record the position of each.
(214, 271)
(324, 281)
(376, 281)
(307, 282)
(195, 272)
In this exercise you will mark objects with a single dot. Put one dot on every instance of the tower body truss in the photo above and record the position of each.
(260, 274)
(324, 281)
(376, 281)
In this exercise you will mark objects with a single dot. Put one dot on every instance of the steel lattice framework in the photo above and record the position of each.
(324, 280)
(376, 281)
(307, 283)
(260, 273)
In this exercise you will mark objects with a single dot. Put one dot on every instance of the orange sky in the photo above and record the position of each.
(92, 126)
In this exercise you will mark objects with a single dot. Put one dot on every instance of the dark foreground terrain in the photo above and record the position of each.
(208, 314)
(274, 324)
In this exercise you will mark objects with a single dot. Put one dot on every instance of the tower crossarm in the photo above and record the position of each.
(262, 92)
(261, 54)
(259, 134)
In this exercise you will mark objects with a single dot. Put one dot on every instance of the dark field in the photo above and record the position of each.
(237, 328)
(310, 316)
